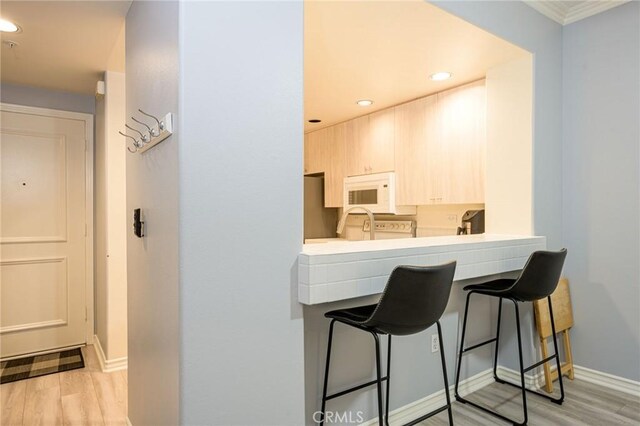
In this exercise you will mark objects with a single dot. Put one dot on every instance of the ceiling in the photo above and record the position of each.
(63, 45)
(566, 12)
(386, 51)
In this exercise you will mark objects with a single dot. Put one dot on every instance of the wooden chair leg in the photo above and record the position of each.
(567, 353)
(548, 379)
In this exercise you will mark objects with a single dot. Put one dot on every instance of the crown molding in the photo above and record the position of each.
(550, 9)
(589, 8)
(565, 12)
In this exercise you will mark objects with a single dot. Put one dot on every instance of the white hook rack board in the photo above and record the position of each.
(167, 131)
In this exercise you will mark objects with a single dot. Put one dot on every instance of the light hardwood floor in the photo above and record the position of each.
(90, 397)
(78, 397)
(584, 404)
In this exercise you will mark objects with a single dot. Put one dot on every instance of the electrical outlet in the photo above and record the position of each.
(452, 218)
(435, 343)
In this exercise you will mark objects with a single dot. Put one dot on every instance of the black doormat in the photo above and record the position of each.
(41, 365)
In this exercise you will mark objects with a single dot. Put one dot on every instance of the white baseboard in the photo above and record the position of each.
(531, 381)
(607, 380)
(436, 400)
(129, 422)
(108, 365)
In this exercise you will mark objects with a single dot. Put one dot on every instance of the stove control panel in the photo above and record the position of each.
(397, 226)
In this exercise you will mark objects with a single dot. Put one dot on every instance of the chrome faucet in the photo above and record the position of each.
(343, 221)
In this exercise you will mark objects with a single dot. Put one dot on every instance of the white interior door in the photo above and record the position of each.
(42, 231)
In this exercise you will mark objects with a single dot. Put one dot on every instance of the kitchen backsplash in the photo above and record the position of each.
(431, 220)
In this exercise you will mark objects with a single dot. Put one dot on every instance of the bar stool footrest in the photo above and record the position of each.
(486, 342)
(486, 410)
(539, 363)
(558, 401)
(426, 416)
(353, 389)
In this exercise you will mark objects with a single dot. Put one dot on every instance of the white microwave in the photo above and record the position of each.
(375, 192)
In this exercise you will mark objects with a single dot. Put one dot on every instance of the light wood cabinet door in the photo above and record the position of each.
(370, 143)
(335, 168)
(324, 152)
(462, 128)
(414, 127)
(357, 138)
(380, 146)
(440, 145)
(314, 152)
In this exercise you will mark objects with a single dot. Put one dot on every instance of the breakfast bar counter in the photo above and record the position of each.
(339, 270)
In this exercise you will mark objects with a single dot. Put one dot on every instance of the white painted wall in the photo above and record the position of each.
(509, 186)
(45, 98)
(152, 184)
(111, 221)
(601, 186)
(240, 154)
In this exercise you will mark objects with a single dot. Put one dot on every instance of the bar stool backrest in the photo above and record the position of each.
(414, 299)
(540, 275)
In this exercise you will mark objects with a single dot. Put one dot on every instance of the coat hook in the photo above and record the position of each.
(160, 124)
(140, 122)
(142, 137)
(135, 142)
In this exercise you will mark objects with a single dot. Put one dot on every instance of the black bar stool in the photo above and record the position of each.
(413, 300)
(538, 280)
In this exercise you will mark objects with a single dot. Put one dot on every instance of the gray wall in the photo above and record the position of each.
(152, 184)
(601, 90)
(523, 26)
(519, 24)
(44, 98)
(240, 180)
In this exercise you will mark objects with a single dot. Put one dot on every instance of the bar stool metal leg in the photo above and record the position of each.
(444, 374)
(378, 378)
(555, 348)
(326, 372)
(461, 349)
(524, 389)
(386, 409)
(495, 358)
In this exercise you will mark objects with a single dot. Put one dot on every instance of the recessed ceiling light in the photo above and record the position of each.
(439, 76)
(8, 26)
(365, 102)
(315, 120)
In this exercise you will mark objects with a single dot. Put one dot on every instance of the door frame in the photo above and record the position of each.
(88, 150)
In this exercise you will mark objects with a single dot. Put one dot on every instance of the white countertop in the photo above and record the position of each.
(337, 246)
(339, 270)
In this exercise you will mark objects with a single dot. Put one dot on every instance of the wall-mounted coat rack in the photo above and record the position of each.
(150, 136)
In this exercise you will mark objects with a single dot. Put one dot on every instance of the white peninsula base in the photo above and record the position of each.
(333, 271)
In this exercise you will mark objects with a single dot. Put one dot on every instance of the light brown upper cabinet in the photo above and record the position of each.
(357, 140)
(416, 154)
(324, 152)
(315, 151)
(440, 147)
(370, 141)
(336, 167)
(436, 145)
(462, 127)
